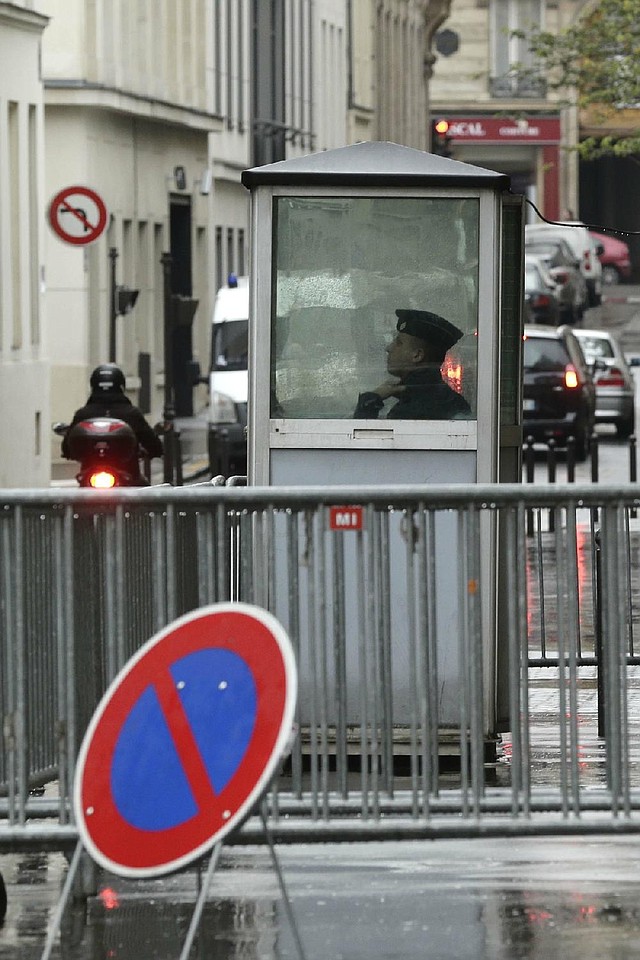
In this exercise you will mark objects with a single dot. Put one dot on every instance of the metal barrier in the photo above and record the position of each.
(85, 578)
(540, 523)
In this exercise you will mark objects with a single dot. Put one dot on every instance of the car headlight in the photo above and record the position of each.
(222, 409)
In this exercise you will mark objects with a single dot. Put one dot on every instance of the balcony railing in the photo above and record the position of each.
(511, 85)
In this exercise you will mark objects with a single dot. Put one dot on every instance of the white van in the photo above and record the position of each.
(229, 379)
(584, 247)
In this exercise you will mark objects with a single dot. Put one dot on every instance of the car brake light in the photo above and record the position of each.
(102, 480)
(612, 378)
(570, 377)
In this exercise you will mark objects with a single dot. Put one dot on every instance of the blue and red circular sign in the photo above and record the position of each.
(185, 740)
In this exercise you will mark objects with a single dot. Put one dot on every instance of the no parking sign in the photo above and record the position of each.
(185, 740)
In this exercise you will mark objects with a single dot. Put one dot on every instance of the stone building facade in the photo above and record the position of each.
(24, 370)
(498, 118)
(158, 106)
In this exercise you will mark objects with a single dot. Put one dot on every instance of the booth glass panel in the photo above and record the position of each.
(343, 266)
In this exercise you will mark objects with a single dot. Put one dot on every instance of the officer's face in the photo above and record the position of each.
(404, 353)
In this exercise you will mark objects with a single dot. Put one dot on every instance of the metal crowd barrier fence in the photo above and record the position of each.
(541, 521)
(86, 578)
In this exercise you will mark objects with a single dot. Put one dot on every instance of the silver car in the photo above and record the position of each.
(615, 387)
(564, 269)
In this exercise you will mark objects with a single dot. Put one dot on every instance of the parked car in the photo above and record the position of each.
(559, 398)
(540, 293)
(615, 258)
(614, 383)
(584, 247)
(564, 268)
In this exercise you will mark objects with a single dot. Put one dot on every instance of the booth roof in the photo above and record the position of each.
(374, 164)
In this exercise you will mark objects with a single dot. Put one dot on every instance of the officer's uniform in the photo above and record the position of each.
(427, 396)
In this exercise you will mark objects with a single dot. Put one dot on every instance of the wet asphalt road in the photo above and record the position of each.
(537, 898)
(576, 899)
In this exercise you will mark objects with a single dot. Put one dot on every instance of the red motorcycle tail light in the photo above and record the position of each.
(102, 480)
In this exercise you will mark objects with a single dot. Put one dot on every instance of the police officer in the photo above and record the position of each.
(108, 399)
(414, 358)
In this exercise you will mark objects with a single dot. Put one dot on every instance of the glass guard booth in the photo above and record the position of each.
(386, 323)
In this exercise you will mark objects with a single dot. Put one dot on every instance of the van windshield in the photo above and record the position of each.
(230, 345)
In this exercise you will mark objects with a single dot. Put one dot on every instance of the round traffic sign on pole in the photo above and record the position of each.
(78, 215)
(185, 740)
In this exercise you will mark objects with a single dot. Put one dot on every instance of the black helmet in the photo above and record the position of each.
(107, 378)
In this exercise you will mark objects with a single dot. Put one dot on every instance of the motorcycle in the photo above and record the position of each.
(104, 447)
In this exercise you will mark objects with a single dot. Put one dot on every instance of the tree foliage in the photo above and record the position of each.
(595, 64)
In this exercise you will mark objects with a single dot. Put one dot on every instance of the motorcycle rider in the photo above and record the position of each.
(108, 399)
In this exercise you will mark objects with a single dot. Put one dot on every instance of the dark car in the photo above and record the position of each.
(564, 269)
(540, 293)
(559, 397)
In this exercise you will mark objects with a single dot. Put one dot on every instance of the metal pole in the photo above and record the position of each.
(169, 412)
(633, 469)
(595, 455)
(594, 447)
(551, 476)
(600, 662)
(571, 459)
(113, 312)
(530, 462)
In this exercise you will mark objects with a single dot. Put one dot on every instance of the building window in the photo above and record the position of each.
(509, 51)
(16, 221)
(159, 248)
(241, 253)
(34, 295)
(230, 66)
(218, 72)
(240, 65)
(268, 88)
(230, 251)
(219, 258)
